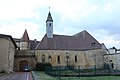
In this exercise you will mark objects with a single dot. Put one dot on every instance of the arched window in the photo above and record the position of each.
(112, 64)
(58, 59)
(49, 58)
(43, 58)
(76, 58)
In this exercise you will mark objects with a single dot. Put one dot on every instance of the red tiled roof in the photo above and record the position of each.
(80, 41)
(25, 37)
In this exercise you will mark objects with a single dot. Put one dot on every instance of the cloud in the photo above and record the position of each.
(73, 9)
(17, 29)
(14, 9)
(99, 18)
(110, 42)
(15, 14)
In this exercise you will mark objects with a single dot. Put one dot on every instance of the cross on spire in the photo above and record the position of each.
(49, 18)
(49, 8)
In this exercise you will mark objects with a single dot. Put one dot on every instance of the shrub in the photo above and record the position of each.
(42, 66)
(2, 71)
(106, 66)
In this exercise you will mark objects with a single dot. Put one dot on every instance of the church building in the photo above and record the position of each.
(79, 50)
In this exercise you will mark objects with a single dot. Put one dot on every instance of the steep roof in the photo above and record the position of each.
(33, 44)
(8, 36)
(49, 18)
(80, 41)
(25, 37)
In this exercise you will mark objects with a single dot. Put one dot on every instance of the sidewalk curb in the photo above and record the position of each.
(35, 77)
(4, 76)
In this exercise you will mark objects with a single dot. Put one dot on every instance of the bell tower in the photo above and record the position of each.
(49, 26)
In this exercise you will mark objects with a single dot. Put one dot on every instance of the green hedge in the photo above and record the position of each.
(2, 71)
(106, 66)
(42, 66)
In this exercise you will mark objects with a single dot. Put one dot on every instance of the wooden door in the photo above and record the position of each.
(23, 64)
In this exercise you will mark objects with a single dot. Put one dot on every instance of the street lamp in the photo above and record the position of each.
(67, 59)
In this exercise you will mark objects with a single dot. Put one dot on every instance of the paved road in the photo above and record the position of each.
(19, 76)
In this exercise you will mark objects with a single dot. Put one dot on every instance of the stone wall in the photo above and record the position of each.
(7, 50)
(24, 55)
(24, 46)
(113, 60)
(11, 54)
(4, 46)
(85, 59)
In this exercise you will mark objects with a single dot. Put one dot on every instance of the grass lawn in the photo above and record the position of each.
(44, 76)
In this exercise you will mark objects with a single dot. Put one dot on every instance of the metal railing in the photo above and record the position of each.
(63, 71)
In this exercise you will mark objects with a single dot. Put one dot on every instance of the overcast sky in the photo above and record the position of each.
(101, 18)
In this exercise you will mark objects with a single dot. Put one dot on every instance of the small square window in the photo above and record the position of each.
(49, 24)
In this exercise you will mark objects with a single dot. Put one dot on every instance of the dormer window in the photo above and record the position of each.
(93, 44)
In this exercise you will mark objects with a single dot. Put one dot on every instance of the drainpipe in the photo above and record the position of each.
(34, 58)
(8, 60)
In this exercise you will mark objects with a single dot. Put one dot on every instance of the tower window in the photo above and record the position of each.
(58, 59)
(49, 24)
(75, 58)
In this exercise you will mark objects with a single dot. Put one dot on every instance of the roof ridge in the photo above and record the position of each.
(62, 35)
(79, 33)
